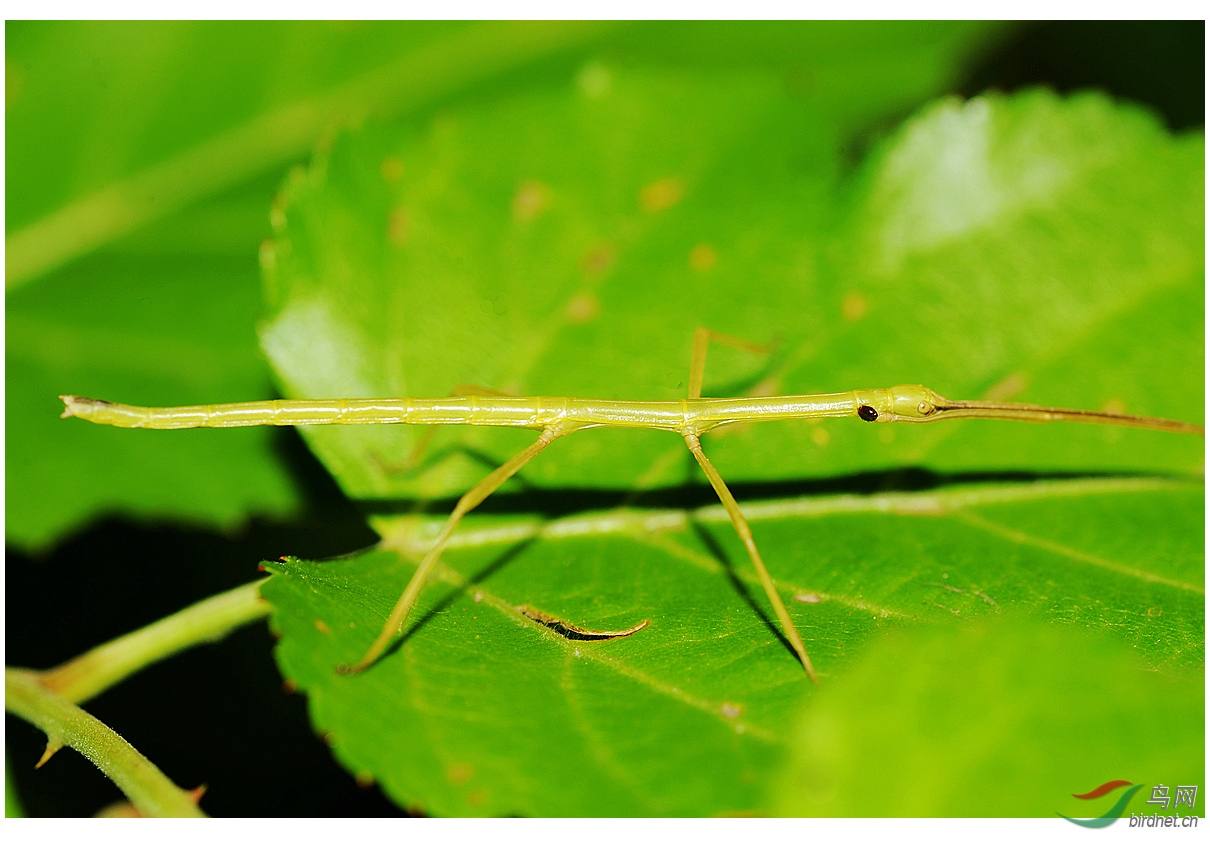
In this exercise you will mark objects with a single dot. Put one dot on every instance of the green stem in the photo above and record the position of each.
(83, 677)
(47, 698)
(418, 78)
(149, 790)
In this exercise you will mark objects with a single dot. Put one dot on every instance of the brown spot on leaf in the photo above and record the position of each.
(599, 259)
(661, 194)
(460, 773)
(392, 169)
(399, 226)
(322, 627)
(1008, 387)
(582, 308)
(853, 306)
(268, 254)
(703, 257)
(769, 387)
(14, 82)
(531, 200)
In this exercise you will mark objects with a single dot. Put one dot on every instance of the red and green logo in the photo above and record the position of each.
(1113, 814)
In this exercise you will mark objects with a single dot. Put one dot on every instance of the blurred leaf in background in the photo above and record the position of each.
(1002, 719)
(130, 138)
(161, 145)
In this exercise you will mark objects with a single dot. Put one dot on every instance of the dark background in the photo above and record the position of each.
(249, 740)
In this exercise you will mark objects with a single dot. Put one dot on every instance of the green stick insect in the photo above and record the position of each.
(557, 417)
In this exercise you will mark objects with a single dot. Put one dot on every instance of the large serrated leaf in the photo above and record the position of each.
(567, 242)
(693, 715)
(545, 245)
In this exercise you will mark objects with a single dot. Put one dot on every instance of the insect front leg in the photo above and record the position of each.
(701, 345)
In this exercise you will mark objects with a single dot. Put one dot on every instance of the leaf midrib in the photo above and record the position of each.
(457, 580)
(652, 529)
(416, 536)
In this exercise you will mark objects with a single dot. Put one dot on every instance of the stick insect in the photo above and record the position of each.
(557, 417)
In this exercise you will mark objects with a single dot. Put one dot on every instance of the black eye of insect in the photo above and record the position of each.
(867, 413)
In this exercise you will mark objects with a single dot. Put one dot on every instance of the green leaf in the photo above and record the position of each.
(195, 126)
(164, 315)
(545, 245)
(410, 287)
(1002, 720)
(855, 72)
(480, 707)
(567, 242)
(96, 102)
(150, 330)
(92, 104)
(146, 138)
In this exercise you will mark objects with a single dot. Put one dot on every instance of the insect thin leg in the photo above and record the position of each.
(468, 502)
(701, 345)
(745, 534)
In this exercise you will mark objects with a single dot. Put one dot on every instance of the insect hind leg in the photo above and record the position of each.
(745, 534)
(469, 500)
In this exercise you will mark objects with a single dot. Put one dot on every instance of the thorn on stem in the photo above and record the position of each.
(53, 745)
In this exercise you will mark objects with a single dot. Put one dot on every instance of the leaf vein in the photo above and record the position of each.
(1024, 538)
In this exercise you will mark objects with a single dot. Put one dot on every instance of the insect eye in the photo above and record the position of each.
(926, 408)
(867, 413)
